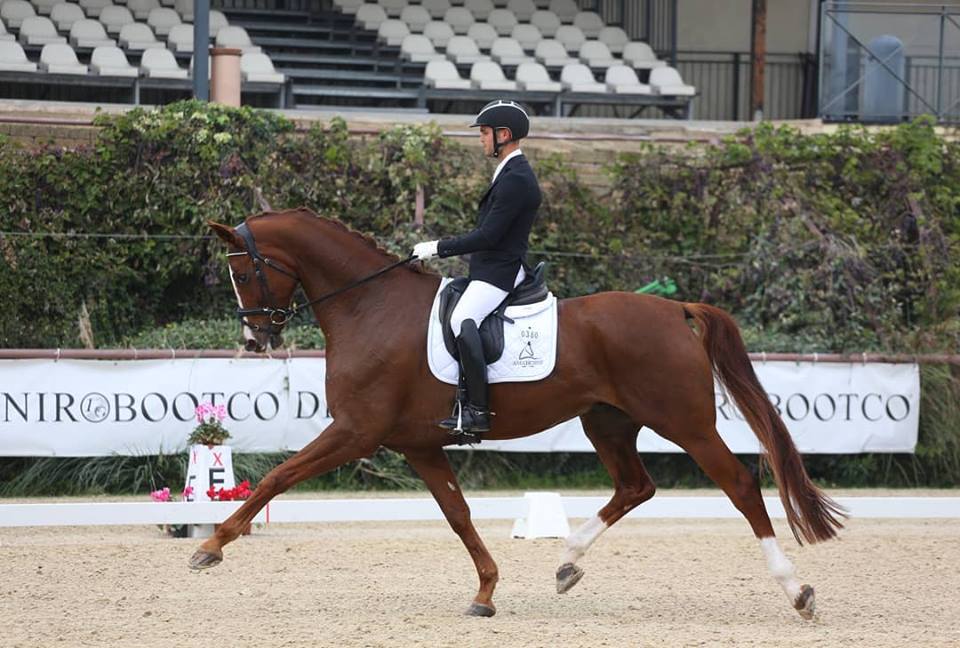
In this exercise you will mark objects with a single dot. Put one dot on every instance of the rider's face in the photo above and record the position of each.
(486, 140)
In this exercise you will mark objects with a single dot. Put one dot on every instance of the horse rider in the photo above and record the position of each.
(497, 247)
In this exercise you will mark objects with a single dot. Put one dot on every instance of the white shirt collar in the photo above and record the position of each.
(503, 163)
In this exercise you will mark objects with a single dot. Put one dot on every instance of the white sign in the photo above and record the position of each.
(79, 408)
(210, 467)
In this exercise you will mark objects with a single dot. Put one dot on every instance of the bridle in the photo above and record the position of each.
(278, 316)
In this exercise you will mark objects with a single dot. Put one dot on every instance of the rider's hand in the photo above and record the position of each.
(426, 250)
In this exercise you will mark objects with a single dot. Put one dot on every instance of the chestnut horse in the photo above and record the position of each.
(624, 361)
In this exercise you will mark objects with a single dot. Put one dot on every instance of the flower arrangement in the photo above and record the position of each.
(210, 430)
(240, 492)
(163, 494)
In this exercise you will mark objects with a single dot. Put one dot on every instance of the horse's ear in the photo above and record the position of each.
(227, 234)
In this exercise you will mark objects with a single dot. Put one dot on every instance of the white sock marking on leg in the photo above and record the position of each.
(580, 540)
(780, 567)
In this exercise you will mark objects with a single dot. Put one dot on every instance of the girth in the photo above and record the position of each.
(530, 291)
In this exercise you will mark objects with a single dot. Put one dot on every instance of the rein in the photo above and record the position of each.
(279, 315)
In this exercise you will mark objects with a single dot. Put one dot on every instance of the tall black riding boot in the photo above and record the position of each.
(473, 416)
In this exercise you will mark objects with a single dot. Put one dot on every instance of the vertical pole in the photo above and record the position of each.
(201, 53)
(758, 57)
(735, 114)
(648, 24)
(943, 19)
(673, 33)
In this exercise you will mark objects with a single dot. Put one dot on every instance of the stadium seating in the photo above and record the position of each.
(522, 9)
(65, 14)
(622, 79)
(162, 20)
(444, 75)
(439, 33)
(393, 8)
(392, 32)
(44, 7)
(596, 54)
(437, 8)
(14, 12)
(137, 36)
(527, 35)
(348, 6)
(114, 17)
(4, 36)
(479, 8)
(666, 81)
(503, 21)
(109, 60)
(159, 63)
(546, 21)
(370, 16)
(217, 22)
(615, 38)
(141, 8)
(589, 22)
(571, 37)
(419, 49)
(507, 51)
(14, 59)
(487, 75)
(258, 68)
(180, 39)
(185, 9)
(577, 77)
(59, 58)
(90, 33)
(566, 10)
(459, 19)
(640, 56)
(93, 7)
(552, 53)
(463, 51)
(236, 37)
(416, 18)
(39, 30)
(533, 77)
(483, 35)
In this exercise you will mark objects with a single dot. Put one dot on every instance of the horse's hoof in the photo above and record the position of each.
(203, 559)
(568, 575)
(480, 610)
(805, 603)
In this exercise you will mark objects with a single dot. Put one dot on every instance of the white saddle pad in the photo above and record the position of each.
(529, 344)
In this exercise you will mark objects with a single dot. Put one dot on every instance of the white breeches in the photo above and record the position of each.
(479, 300)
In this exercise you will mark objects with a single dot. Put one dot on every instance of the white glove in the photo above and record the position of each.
(425, 251)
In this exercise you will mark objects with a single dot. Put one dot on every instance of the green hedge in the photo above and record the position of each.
(834, 242)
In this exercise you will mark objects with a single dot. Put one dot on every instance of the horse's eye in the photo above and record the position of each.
(240, 277)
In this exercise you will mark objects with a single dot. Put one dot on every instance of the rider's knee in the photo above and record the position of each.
(458, 324)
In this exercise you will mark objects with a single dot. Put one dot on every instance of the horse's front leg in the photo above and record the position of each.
(434, 468)
(335, 446)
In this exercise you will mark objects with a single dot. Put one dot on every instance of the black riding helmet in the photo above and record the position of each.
(504, 113)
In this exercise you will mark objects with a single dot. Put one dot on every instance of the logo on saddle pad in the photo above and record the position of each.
(519, 338)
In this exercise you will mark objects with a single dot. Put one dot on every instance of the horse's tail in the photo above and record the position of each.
(810, 513)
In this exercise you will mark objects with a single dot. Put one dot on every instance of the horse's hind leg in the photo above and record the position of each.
(723, 467)
(614, 436)
(434, 468)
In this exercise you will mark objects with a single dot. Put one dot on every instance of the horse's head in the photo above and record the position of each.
(264, 287)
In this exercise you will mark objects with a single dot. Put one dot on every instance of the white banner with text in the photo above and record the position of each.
(76, 408)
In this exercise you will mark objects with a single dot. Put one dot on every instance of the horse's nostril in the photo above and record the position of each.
(250, 345)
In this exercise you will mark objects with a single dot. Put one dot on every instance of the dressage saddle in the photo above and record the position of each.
(531, 290)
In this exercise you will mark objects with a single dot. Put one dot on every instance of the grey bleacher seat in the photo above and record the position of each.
(596, 54)
(639, 55)
(217, 22)
(546, 21)
(542, 4)
(138, 36)
(527, 35)
(483, 35)
(348, 7)
(533, 76)
(667, 81)
(615, 38)
(444, 75)
(552, 53)
(577, 77)
(439, 33)
(65, 14)
(159, 63)
(621, 79)
(13, 12)
(185, 9)
(566, 10)
(459, 18)
(416, 18)
(109, 60)
(162, 20)
(89, 33)
(369, 16)
(39, 30)
(462, 50)
(393, 8)
(14, 59)
(479, 8)
(392, 32)
(503, 21)
(93, 7)
(571, 37)
(236, 37)
(4, 36)
(180, 38)
(522, 9)
(114, 17)
(59, 58)
(141, 8)
(44, 7)
(589, 22)
(487, 75)
(257, 67)
(418, 49)
(437, 8)
(507, 51)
